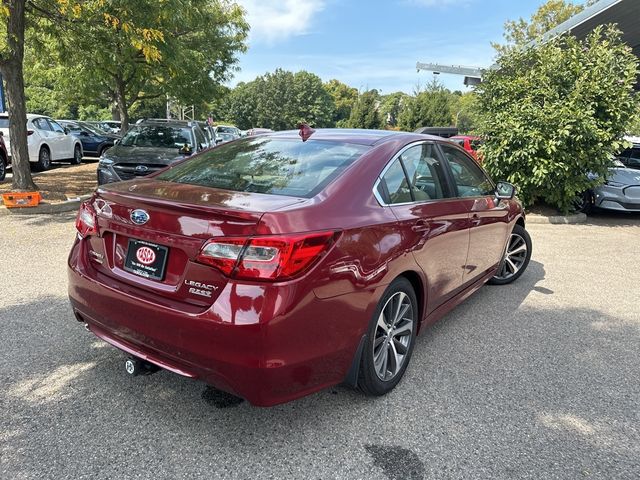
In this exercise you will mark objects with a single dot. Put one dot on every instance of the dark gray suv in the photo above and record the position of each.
(149, 146)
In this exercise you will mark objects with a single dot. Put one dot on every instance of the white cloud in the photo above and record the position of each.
(275, 20)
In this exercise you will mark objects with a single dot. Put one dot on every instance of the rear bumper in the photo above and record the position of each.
(269, 350)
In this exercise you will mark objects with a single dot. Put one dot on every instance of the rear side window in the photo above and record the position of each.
(397, 187)
(41, 124)
(268, 165)
(425, 172)
(4, 122)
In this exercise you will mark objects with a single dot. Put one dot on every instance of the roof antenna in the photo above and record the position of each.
(305, 131)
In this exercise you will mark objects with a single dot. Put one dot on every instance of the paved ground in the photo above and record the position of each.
(540, 380)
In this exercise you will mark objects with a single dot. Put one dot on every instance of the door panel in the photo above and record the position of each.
(437, 233)
(435, 227)
(488, 219)
(62, 144)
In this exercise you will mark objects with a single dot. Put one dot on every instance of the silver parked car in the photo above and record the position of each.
(621, 191)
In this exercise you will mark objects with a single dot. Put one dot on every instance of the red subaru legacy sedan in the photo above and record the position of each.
(277, 265)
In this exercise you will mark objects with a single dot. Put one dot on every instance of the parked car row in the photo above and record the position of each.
(69, 140)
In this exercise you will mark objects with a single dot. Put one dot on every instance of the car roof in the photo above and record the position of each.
(356, 135)
(31, 116)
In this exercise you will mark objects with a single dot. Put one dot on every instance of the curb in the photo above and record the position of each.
(556, 219)
(46, 208)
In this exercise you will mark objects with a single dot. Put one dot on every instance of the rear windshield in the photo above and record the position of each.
(268, 165)
(157, 136)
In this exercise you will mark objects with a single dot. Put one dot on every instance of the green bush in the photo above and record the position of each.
(555, 112)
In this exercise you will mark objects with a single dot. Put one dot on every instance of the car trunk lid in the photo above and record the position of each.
(180, 219)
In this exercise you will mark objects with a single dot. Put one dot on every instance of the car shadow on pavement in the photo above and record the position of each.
(611, 218)
(498, 388)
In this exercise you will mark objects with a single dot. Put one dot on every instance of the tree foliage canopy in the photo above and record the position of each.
(132, 50)
(365, 112)
(280, 100)
(344, 98)
(554, 113)
(428, 108)
(549, 15)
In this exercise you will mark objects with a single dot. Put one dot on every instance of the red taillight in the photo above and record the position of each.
(86, 221)
(267, 257)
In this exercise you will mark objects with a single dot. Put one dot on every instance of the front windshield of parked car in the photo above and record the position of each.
(617, 163)
(92, 128)
(268, 165)
(158, 136)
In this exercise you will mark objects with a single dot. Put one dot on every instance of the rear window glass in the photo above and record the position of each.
(157, 136)
(4, 123)
(268, 165)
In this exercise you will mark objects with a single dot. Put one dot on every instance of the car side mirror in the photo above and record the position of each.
(66, 131)
(505, 191)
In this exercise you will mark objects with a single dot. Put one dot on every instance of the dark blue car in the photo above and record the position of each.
(94, 141)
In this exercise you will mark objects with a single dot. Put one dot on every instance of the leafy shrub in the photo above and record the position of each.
(554, 112)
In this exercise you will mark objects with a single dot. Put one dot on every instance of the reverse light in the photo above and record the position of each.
(86, 221)
(273, 258)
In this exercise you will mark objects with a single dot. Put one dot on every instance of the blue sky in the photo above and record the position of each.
(375, 44)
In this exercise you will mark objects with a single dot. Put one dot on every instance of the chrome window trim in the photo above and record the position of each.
(376, 194)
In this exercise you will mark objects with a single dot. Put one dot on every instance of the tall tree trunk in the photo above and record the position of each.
(121, 100)
(11, 68)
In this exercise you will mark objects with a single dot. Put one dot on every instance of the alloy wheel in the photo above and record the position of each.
(45, 158)
(394, 332)
(514, 258)
(77, 155)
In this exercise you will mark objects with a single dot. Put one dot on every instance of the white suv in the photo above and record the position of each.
(47, 141)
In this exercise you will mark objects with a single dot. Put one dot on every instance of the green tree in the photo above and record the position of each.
(12, 31)
(280, 100)
(391, 106)
(428, 108)
(366, 111)
(519, 33)
(464, 111)
(554, 113)
(344, 98)
(135, 50)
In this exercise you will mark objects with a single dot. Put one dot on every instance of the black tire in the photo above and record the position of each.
(44, 160)
(519, 236)
(77, 155)
(3, 168)
(369, 380)
(584, 203)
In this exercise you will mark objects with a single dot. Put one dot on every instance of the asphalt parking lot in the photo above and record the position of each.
(539, 380)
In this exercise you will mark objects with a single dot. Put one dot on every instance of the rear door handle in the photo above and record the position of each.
(421, 226)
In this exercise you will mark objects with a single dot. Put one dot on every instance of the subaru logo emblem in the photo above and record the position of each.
(142, 169)
(139, 217)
